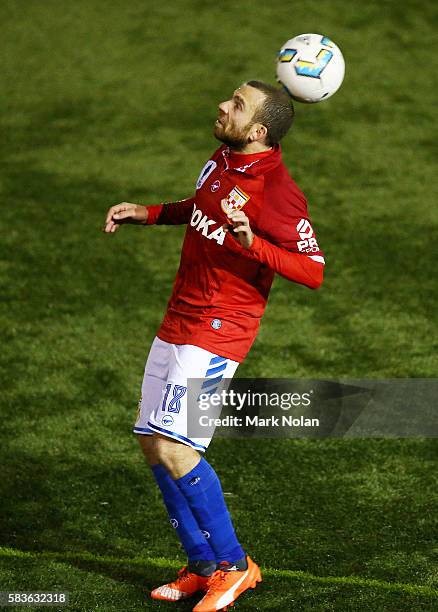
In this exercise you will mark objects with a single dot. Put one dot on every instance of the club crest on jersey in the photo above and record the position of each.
(235, 200)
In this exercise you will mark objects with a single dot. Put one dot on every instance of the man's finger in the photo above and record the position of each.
(112, 211)
(236, 213)
(239, 218)
(123, 213)
(240, 224)
(116, 210)
(109, 214)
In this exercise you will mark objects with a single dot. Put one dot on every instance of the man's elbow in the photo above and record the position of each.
(317, 277)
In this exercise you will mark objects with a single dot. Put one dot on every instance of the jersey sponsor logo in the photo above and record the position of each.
(208, 227)
(215, 186)
(308, 243)
(205, 173)
(235, 200)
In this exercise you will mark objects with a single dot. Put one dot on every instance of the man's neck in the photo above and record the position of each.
(252, 147)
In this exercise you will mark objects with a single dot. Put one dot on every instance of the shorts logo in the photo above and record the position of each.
(174, 523)
(216, 324)
(205, 534)
(308, 243)
(205, 173)
(194, 481)
(215, 186)
(235, 200)
(167, 420)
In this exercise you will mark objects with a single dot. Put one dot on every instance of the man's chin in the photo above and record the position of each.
(218, 131)
(231, 141)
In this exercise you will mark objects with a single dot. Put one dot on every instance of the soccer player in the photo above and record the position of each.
(246, 221)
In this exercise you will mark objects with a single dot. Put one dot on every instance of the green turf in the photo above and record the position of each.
(110, 101)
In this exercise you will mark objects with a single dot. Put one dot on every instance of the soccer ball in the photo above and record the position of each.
(310, 67)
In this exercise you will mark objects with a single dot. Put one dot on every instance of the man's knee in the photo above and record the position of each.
(147, 444)
(177, 458)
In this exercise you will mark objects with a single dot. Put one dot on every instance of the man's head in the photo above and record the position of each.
(257, 114)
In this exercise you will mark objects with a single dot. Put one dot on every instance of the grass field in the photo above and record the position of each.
(109, 101)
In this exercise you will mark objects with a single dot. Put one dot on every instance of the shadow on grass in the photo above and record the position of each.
(112, 585)
(379, 522)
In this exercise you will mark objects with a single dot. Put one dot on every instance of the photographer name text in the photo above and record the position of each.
(256, 421)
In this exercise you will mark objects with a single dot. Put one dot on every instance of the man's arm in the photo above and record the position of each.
(175, 213)
(296, 267)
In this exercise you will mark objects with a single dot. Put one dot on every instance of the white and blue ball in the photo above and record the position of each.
(310, 67)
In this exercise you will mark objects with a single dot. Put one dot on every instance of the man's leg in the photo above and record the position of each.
(173, 449)
(201, 558)
(176, 448)
(198, 483)
(200, 486)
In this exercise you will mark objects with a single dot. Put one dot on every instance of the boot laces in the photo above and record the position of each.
(216, 581)
(183, 575)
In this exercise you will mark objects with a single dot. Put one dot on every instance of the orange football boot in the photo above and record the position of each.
(184, 586)
(224, 587)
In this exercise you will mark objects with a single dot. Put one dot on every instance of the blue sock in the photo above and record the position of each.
(203, 492)
(181, 517)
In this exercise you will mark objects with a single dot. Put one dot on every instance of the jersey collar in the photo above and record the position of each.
(253, 164)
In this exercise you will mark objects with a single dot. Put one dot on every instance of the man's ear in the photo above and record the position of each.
(258, 132)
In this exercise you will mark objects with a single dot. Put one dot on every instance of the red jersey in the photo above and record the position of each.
(221, 289)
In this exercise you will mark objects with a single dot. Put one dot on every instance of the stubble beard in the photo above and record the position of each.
(236, 140)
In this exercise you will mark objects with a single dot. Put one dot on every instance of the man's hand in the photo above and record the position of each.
(241, 228)
(124, 213)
